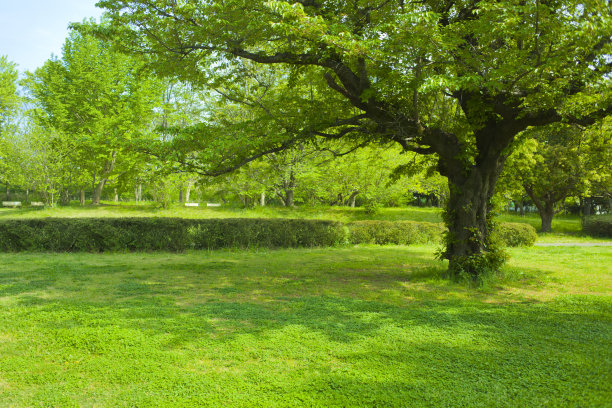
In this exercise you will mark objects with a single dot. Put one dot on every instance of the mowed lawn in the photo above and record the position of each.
(336, 327)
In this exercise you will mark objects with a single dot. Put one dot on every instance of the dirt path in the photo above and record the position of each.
(580, 244)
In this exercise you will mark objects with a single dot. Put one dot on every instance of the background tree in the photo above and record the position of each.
(9, 108)
(99, 101)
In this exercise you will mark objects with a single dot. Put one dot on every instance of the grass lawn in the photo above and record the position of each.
(335, 327)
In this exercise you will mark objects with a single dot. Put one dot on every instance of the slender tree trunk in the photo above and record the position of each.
(27, 195)
(8, 192)
(116, 196)
(82, 196)
(181, 194)
(97, 195)
(352, 198)
(188, 191)
(522, 208)
(262, 199)
(139, 192)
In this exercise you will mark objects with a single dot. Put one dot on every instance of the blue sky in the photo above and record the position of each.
(32, 30)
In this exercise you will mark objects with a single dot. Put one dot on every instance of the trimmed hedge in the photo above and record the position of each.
(93, 234)
(394, 232)
(598, 226)
(515, 234)
(176, 234)
(264, 233)
(413, 232)
(163, 234)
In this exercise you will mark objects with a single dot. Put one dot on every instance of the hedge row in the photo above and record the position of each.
(412, 232)
(167, 234)
(175, 234)
(598, 226)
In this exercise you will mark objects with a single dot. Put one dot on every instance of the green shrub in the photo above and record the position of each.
(598, 226)
(413, 232)
(394, 232)
(514, 234)
(264, 233)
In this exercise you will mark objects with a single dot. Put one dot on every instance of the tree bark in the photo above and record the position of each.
(352, 198)
(8, 192)
(82, 196)
(116, 196)
(262, 199)
(188, 191)
(587, 207)
(546, 215)
(468, 217)
(98, 191)
(181, 194)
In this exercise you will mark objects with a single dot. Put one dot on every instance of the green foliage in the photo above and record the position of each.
(397, 232)
(598, 226)
(93, 234)
(264, 233)
(515, 234)
(164, 234)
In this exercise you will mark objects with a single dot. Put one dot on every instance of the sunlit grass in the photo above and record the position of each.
(359, 326)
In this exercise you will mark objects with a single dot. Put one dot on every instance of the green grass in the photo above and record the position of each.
(343, 327)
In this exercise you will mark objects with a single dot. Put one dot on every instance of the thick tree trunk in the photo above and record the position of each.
(468, 223)
(546, 215)
(82, 196)
(289, 198)
(98, 192)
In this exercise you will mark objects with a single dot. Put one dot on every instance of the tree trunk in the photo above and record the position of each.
(64, 197)
(522, 208)
(27, 195)
(8, 192)
(98, 192)
(289, 198)
(82, 196)
(587, 207)
(467, 218)
(546, 215)
(352, 198)
(116, 196)
(181, 194)
(188, 191)
(262, 199)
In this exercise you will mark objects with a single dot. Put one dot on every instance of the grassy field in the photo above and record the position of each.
(336, 327)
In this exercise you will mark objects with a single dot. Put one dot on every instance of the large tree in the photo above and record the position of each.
(504, 65)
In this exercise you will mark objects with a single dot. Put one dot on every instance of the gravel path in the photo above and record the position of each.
(580, 244)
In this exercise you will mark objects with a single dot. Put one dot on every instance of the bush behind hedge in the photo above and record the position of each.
(598, 226)
(394, 232)
(515, 234)
(175, 234)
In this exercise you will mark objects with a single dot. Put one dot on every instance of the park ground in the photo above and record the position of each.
(374, 326)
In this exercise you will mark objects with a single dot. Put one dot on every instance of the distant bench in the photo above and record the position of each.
(207, 204)
(15, 204)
